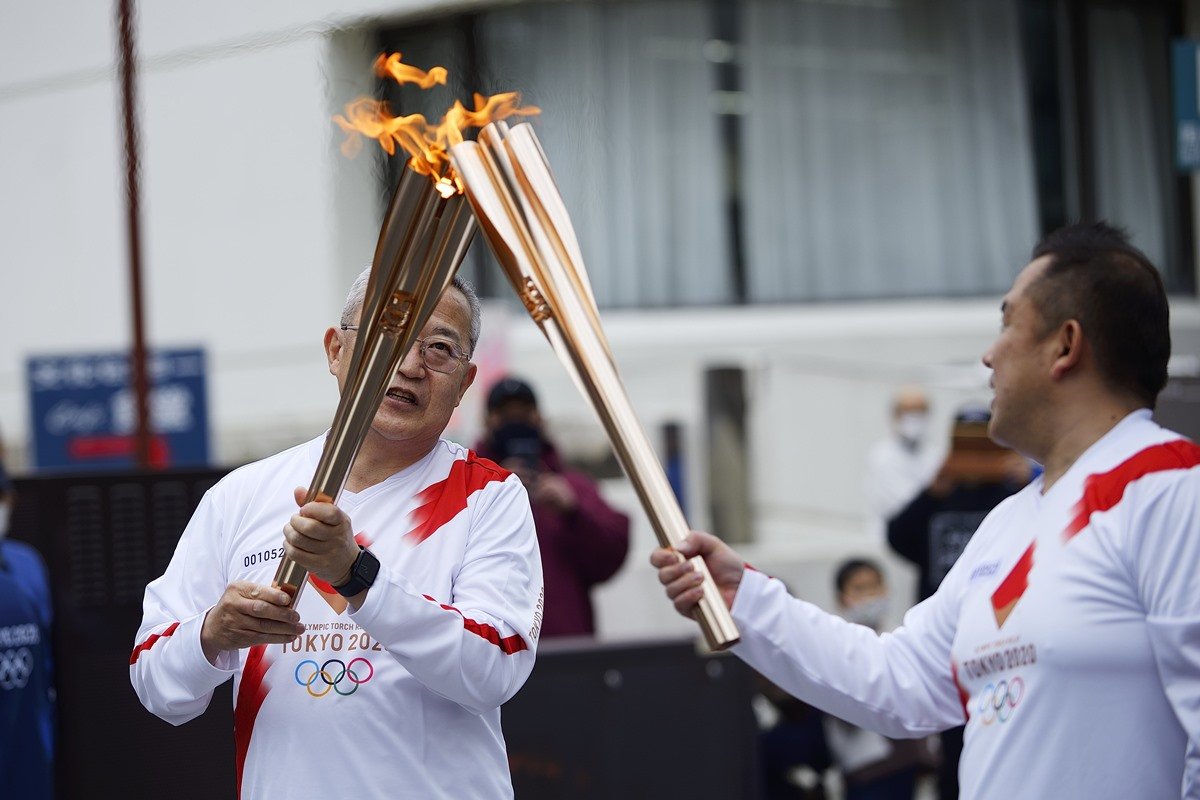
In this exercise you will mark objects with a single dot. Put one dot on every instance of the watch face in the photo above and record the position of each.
(362, 574)
(368, 567)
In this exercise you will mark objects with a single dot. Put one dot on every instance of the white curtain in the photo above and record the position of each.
(1132, 151)
(627, 126)
(887, 148)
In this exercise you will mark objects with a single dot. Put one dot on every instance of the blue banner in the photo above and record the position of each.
(83, 418)
(1187, 104)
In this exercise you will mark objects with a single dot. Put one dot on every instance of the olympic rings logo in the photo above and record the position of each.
(999, 701)
(15, 668)
(333, 675)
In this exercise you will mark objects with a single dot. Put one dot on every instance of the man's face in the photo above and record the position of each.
(1020, 361)
(419, 401)
(862, 585)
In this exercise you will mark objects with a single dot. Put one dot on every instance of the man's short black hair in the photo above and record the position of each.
(851, 566)
(1099, 279)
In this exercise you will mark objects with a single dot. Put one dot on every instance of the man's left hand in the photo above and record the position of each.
(320, 538)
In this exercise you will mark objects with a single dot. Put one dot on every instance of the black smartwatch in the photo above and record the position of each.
(362, 574)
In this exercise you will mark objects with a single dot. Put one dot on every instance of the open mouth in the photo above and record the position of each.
(402, 396)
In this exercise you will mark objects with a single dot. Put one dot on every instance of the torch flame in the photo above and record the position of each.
(428, 145)
(386, 65)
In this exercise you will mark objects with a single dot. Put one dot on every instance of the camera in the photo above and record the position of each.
(520, 442)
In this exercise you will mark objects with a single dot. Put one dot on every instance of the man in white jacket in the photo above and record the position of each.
(387, 678)
(1067, 635)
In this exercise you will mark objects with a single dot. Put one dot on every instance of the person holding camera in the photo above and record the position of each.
(583, 540)
(934, 527)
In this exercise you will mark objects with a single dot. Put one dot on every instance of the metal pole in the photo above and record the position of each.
(127, 67)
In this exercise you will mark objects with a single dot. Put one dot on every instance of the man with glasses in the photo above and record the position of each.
(422, 617)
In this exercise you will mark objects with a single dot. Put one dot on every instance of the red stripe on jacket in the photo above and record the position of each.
(1012, 587)
(510, 645)
(150, 640)
(963, 698)
(251, 693)
(1103, 491)
(443, 501)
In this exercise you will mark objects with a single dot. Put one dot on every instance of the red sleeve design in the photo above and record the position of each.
(150, 640)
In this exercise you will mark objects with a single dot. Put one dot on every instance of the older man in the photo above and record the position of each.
(1066, 636)
(388, 676)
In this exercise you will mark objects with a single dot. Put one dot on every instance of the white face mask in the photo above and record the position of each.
(5, 511)
(872, 613)
(911, 426)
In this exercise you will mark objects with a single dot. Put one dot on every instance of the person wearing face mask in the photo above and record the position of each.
(873, 766)
(899, 465)
(26, 668)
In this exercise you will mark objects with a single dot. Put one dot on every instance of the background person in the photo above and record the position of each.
(932, 530)
(904, 462)
(26, 667)
(873, 767)
(583, 540)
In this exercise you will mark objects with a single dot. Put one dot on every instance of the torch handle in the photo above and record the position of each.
(582, 352)
(421, 244)
(290, 576)
(557, 296)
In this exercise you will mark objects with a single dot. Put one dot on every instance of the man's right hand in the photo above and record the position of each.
(681, 579)
(248, 614)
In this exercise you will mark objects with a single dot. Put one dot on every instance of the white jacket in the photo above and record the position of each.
(1067, 636)
(400, 699)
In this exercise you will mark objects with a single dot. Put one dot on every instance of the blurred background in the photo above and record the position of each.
(790, 210)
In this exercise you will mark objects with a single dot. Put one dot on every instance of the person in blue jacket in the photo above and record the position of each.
(26, 684)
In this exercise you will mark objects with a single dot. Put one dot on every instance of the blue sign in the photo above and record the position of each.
(1187, 104)
(83, 417)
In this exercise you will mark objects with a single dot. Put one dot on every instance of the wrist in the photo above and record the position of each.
(208, 645)
(341, 577)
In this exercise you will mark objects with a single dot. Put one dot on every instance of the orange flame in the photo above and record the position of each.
(428, 145)
(386, 65)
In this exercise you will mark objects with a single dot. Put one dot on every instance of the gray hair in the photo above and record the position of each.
(358, 290)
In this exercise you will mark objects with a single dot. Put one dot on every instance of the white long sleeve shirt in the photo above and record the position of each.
(400, 699)
(1067, 636)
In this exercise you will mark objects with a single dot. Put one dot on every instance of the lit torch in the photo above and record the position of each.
(424, 237)
(508, 182)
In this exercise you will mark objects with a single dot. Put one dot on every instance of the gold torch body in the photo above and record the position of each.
(421, 244)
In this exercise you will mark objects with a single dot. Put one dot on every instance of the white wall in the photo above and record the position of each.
(253, 223)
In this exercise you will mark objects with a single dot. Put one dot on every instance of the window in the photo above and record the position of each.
(715, 152)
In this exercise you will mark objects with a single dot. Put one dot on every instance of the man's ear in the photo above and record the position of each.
(468, 379)
(334, 350)
(1069, 347)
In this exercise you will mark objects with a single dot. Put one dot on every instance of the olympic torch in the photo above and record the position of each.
(508, 182)
(424, 237)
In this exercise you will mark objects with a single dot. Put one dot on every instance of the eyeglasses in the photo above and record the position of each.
(437, 354)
